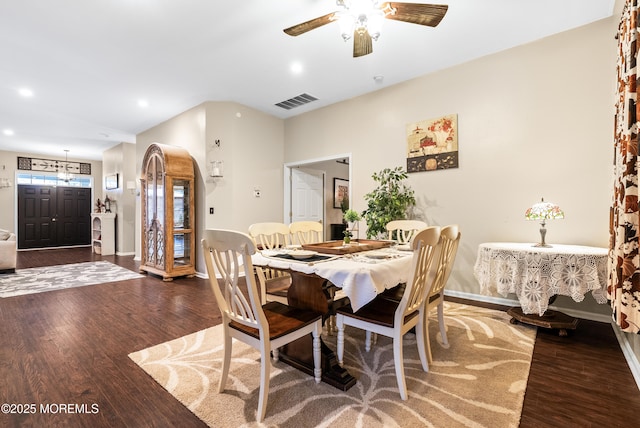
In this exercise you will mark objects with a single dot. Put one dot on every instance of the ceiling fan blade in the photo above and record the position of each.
(312, 24)
(362, 44)
(416, 13)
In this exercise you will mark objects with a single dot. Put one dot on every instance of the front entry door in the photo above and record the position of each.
(50, 216)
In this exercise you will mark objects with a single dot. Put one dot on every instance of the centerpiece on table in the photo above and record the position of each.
(351, 217)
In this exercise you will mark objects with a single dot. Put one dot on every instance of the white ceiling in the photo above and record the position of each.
(88, 62)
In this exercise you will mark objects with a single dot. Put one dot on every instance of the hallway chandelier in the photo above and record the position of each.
(65, 175)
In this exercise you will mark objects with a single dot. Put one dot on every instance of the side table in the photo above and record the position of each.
(536, 275)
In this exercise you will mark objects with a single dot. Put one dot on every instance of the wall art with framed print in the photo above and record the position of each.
(340, 191)
(111, 182)
(433, 144)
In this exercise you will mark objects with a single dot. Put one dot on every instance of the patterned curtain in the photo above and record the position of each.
(624, 273)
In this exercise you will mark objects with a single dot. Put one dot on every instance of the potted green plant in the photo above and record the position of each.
(351, 217)
(391, 200)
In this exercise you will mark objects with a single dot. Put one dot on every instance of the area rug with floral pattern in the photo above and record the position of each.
(477, 380)
(49, 278)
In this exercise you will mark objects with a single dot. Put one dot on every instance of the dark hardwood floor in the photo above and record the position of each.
(71, 346)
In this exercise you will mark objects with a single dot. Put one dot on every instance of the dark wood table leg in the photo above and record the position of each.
(550, 319)
(309, 292)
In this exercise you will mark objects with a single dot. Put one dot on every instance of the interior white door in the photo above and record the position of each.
(307, 195)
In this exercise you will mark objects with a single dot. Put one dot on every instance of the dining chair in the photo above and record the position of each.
(269, 236)
(306, 232)
(266, 327)
(402, 231)
(444, 258)
(395, 318)
(309, 232)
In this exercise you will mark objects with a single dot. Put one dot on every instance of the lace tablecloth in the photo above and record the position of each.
(535, 274)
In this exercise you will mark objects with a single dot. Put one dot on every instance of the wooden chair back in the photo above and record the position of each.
(306, 232)
(403, 230)
(423, 246)
(448, 248)
(270, 235)
(227, 255)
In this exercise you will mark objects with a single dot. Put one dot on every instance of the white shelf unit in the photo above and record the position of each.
(103, 233)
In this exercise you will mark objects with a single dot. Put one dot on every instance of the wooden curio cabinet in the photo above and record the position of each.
(168, 221)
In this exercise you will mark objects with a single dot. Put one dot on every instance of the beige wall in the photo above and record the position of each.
(534, 121)
(121, 160)
(251, 147)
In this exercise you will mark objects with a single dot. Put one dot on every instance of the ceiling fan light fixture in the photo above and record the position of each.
(347, 23)
(361, 20)
(375, 21)
(363, 16)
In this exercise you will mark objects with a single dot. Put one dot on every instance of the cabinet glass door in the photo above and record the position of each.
(181, 223)
(155, 212)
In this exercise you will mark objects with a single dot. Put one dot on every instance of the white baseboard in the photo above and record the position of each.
(125, 254)
(510, 302)
(629, 355)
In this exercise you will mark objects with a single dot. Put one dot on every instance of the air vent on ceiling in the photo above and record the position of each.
(298, 101)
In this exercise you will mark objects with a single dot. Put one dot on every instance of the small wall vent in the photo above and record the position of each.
(298, 101)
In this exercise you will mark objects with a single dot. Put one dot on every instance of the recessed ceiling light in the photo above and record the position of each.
(25, 92)
(378, 78)
(143, 103)
(296, 68)
(8, 132)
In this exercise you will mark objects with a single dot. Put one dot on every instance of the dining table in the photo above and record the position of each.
(359, 275)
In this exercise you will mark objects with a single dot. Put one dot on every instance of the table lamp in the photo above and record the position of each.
(543, 211)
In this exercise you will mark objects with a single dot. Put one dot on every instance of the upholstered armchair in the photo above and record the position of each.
(8, 250)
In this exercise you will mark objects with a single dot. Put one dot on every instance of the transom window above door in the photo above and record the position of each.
(53, 180)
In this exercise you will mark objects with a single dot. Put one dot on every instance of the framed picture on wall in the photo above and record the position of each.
(340, 192)
(111, 182)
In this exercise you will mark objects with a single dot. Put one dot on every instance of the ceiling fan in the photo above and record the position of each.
(362, 20)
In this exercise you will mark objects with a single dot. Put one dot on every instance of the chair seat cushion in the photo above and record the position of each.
(282, 320)
(379, 311)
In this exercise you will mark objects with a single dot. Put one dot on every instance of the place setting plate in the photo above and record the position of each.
(376, 255)
(302, 254)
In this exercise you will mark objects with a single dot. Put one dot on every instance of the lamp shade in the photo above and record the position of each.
(544, 211)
